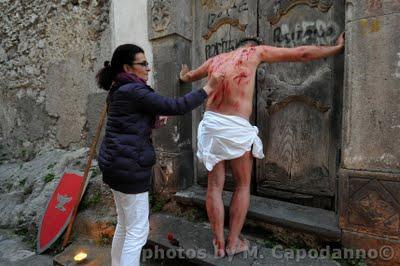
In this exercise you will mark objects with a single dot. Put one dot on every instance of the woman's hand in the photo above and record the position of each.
(214, 82)
(161, 121)
(183, 75)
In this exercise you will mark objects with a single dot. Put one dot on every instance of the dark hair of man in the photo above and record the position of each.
(123, 54)
(248, 40)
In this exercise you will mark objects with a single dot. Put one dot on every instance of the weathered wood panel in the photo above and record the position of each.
(298, 104)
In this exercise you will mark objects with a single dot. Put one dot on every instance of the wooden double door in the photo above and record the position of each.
(297, 105)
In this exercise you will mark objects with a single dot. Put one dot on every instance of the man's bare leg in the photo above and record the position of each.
(241, 170)
(215, 206)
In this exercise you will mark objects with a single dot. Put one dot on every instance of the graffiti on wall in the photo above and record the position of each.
(220, 46)
(307, 32)
(228, 15)
(230, 12)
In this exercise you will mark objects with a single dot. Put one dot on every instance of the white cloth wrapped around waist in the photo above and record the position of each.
(226, 137)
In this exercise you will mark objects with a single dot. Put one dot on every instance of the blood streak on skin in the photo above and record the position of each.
(226, 91)
(217, 63)
(240, 77)
(236, 106)
(238, 63)
(217, 96)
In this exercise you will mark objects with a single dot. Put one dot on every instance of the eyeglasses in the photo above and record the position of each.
(143, 64)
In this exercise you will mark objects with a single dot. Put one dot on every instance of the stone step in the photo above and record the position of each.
(194, 244)
(316, 221)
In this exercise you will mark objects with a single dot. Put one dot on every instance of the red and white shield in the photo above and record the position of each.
(59, 210)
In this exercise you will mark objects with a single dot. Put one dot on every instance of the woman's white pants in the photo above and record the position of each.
(132, 228)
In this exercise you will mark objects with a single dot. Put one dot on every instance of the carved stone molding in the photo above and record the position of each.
(282, 7)
(369, 202)
(223, 21)
(161, 14)
(275, 107)
(372, 206)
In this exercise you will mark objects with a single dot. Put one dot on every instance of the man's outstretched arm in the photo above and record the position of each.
(272, 54)
(187, 75)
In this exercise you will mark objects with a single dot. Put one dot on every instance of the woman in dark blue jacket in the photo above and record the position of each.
(127, 154)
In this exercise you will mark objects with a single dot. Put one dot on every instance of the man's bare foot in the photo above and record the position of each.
(219, 250)
(242, 245)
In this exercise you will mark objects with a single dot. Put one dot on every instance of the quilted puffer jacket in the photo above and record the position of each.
(127, 154)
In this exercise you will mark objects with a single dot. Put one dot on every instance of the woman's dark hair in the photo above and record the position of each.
(123, 54)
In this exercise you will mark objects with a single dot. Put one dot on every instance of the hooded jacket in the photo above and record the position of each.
(127, 154)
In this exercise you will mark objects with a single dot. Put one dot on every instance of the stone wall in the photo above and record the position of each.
(369, 192)
(49, 54)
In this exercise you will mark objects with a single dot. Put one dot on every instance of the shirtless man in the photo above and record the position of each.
(225, 133)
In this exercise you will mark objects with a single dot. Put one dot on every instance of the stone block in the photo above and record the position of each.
(381, 251)
(96, 103)
(67, 97)
(371, 119)
(167, 17)
(356, 9)
(169, 55)
(369, 203)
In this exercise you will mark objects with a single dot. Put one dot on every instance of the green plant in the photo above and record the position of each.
(49, 177)
(22, 181)
(191, 214)
(90, 200)
(9, 187)
(28, 190)
(271, 241)
(351, 262)
(95, 198)
(51, 166)
(157, 203)
(21, 231)
(95, 171)
(104, 239)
